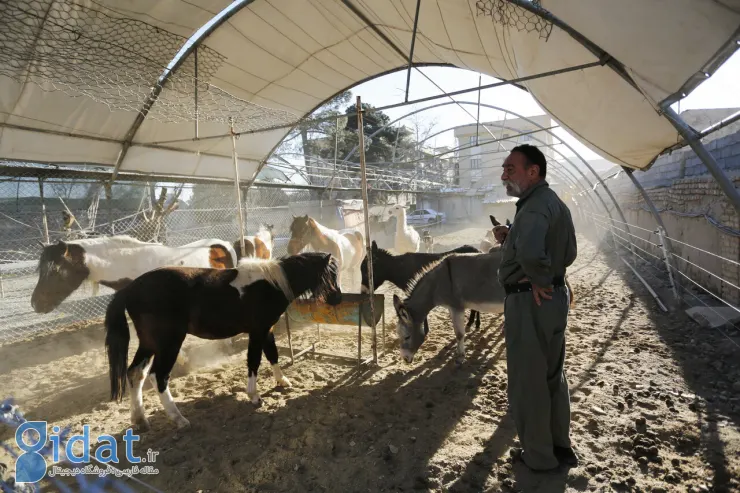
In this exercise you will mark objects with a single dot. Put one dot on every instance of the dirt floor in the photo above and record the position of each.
(655, 404)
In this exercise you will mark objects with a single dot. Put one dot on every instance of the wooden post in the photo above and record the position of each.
(366, 207)
(238, 189)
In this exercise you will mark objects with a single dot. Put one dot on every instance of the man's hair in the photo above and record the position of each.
(534, 156)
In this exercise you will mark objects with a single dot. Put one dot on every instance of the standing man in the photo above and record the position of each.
(536, 252)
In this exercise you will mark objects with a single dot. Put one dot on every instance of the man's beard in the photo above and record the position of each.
(515, 190)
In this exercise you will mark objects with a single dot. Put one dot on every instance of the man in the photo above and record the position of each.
(537, 249)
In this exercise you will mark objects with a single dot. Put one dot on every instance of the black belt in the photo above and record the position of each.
(523, 287)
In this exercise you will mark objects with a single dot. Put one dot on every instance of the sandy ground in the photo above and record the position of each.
(655, 404)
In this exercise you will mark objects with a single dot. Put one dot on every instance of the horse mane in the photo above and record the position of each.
(414, 282)
(252, 269)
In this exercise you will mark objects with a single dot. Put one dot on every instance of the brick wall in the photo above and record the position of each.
(680, 185)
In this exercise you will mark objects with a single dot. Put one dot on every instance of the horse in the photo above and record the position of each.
(114, 261)
(400, 270)
(407, 238)
(260, 245)
(457, 281)
(348, 248)
(168, 303)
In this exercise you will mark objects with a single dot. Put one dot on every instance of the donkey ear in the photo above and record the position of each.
(508, 223)
(493, 221)
(375, 246)
(397, 304)
(43, 245)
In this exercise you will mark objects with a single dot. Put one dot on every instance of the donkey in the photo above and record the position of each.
(260, 245)
(400, 270)
(168, 303)
(348, 248)
(457, 281)
(114, 261)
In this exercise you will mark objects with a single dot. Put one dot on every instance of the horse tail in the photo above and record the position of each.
(570, 291)
(116, 344)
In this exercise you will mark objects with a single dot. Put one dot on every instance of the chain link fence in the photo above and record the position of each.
(44, 204)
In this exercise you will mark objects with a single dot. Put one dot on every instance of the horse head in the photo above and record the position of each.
(410, 332)
(300, 233)
(62, 270)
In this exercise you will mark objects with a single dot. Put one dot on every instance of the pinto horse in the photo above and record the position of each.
(348, 248)
(260, 245)
(168, 303)
(114, 261)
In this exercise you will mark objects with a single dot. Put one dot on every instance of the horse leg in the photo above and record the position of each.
(471, 319)
(254, 357)
(271, 353)
(136, 373)
(477, 319)
(458, 323)
(162, 368)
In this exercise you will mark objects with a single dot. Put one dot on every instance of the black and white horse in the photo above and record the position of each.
(399, 270)
(168, 303)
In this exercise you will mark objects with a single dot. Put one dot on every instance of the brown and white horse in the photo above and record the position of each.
(260, 245)
(114, 261)
(348, 248)
(169, 303)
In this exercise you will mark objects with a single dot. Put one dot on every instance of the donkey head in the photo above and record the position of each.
(300, 232)
(380, 269)
(410, 332)
(61, 269)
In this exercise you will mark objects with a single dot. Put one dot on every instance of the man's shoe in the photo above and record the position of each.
(517, 455)
(566, 455)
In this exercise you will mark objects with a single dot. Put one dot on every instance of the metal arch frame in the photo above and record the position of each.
(616, 205)
(162, 80)
(689, 134)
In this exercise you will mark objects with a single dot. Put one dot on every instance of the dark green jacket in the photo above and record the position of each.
(542, 241)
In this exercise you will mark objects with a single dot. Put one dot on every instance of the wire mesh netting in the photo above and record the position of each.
(510, 15)
(120, 62)
(42, 205)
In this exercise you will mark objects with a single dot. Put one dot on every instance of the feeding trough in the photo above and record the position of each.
(355, 309)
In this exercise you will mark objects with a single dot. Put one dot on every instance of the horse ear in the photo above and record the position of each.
(493, 221)
(43, 245)
(508, 223)
(375, 246)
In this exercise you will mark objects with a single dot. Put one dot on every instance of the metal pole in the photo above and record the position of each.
(361, 135)
(43, 211)
(195, 55)
(691, 136)
(411, 52)
(238, 189)
(666, 259)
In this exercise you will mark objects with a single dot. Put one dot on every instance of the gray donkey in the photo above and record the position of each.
(458, 282)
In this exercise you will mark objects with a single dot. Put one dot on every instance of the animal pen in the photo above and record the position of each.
(161, 121)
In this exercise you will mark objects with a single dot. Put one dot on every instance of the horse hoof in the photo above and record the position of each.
(183, 423)
(460, 360)
(283, 382)
(142, 425)
(255, 399)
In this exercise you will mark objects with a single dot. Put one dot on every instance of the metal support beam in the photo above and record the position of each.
(411, 51)
(692, 137)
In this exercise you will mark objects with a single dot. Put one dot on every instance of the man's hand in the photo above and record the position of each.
(500, 233)
(538, 292)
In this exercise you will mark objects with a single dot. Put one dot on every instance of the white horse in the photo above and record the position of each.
(348, 248)
(115, 261)
(407, 239)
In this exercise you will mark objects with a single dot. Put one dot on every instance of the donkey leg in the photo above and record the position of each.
(270, 349)
(136, 373)
(162, 368)
(471, 319)
(458, 322)
(254, 358)
(477, 319)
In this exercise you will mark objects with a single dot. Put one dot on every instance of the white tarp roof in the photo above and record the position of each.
(80, 70)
